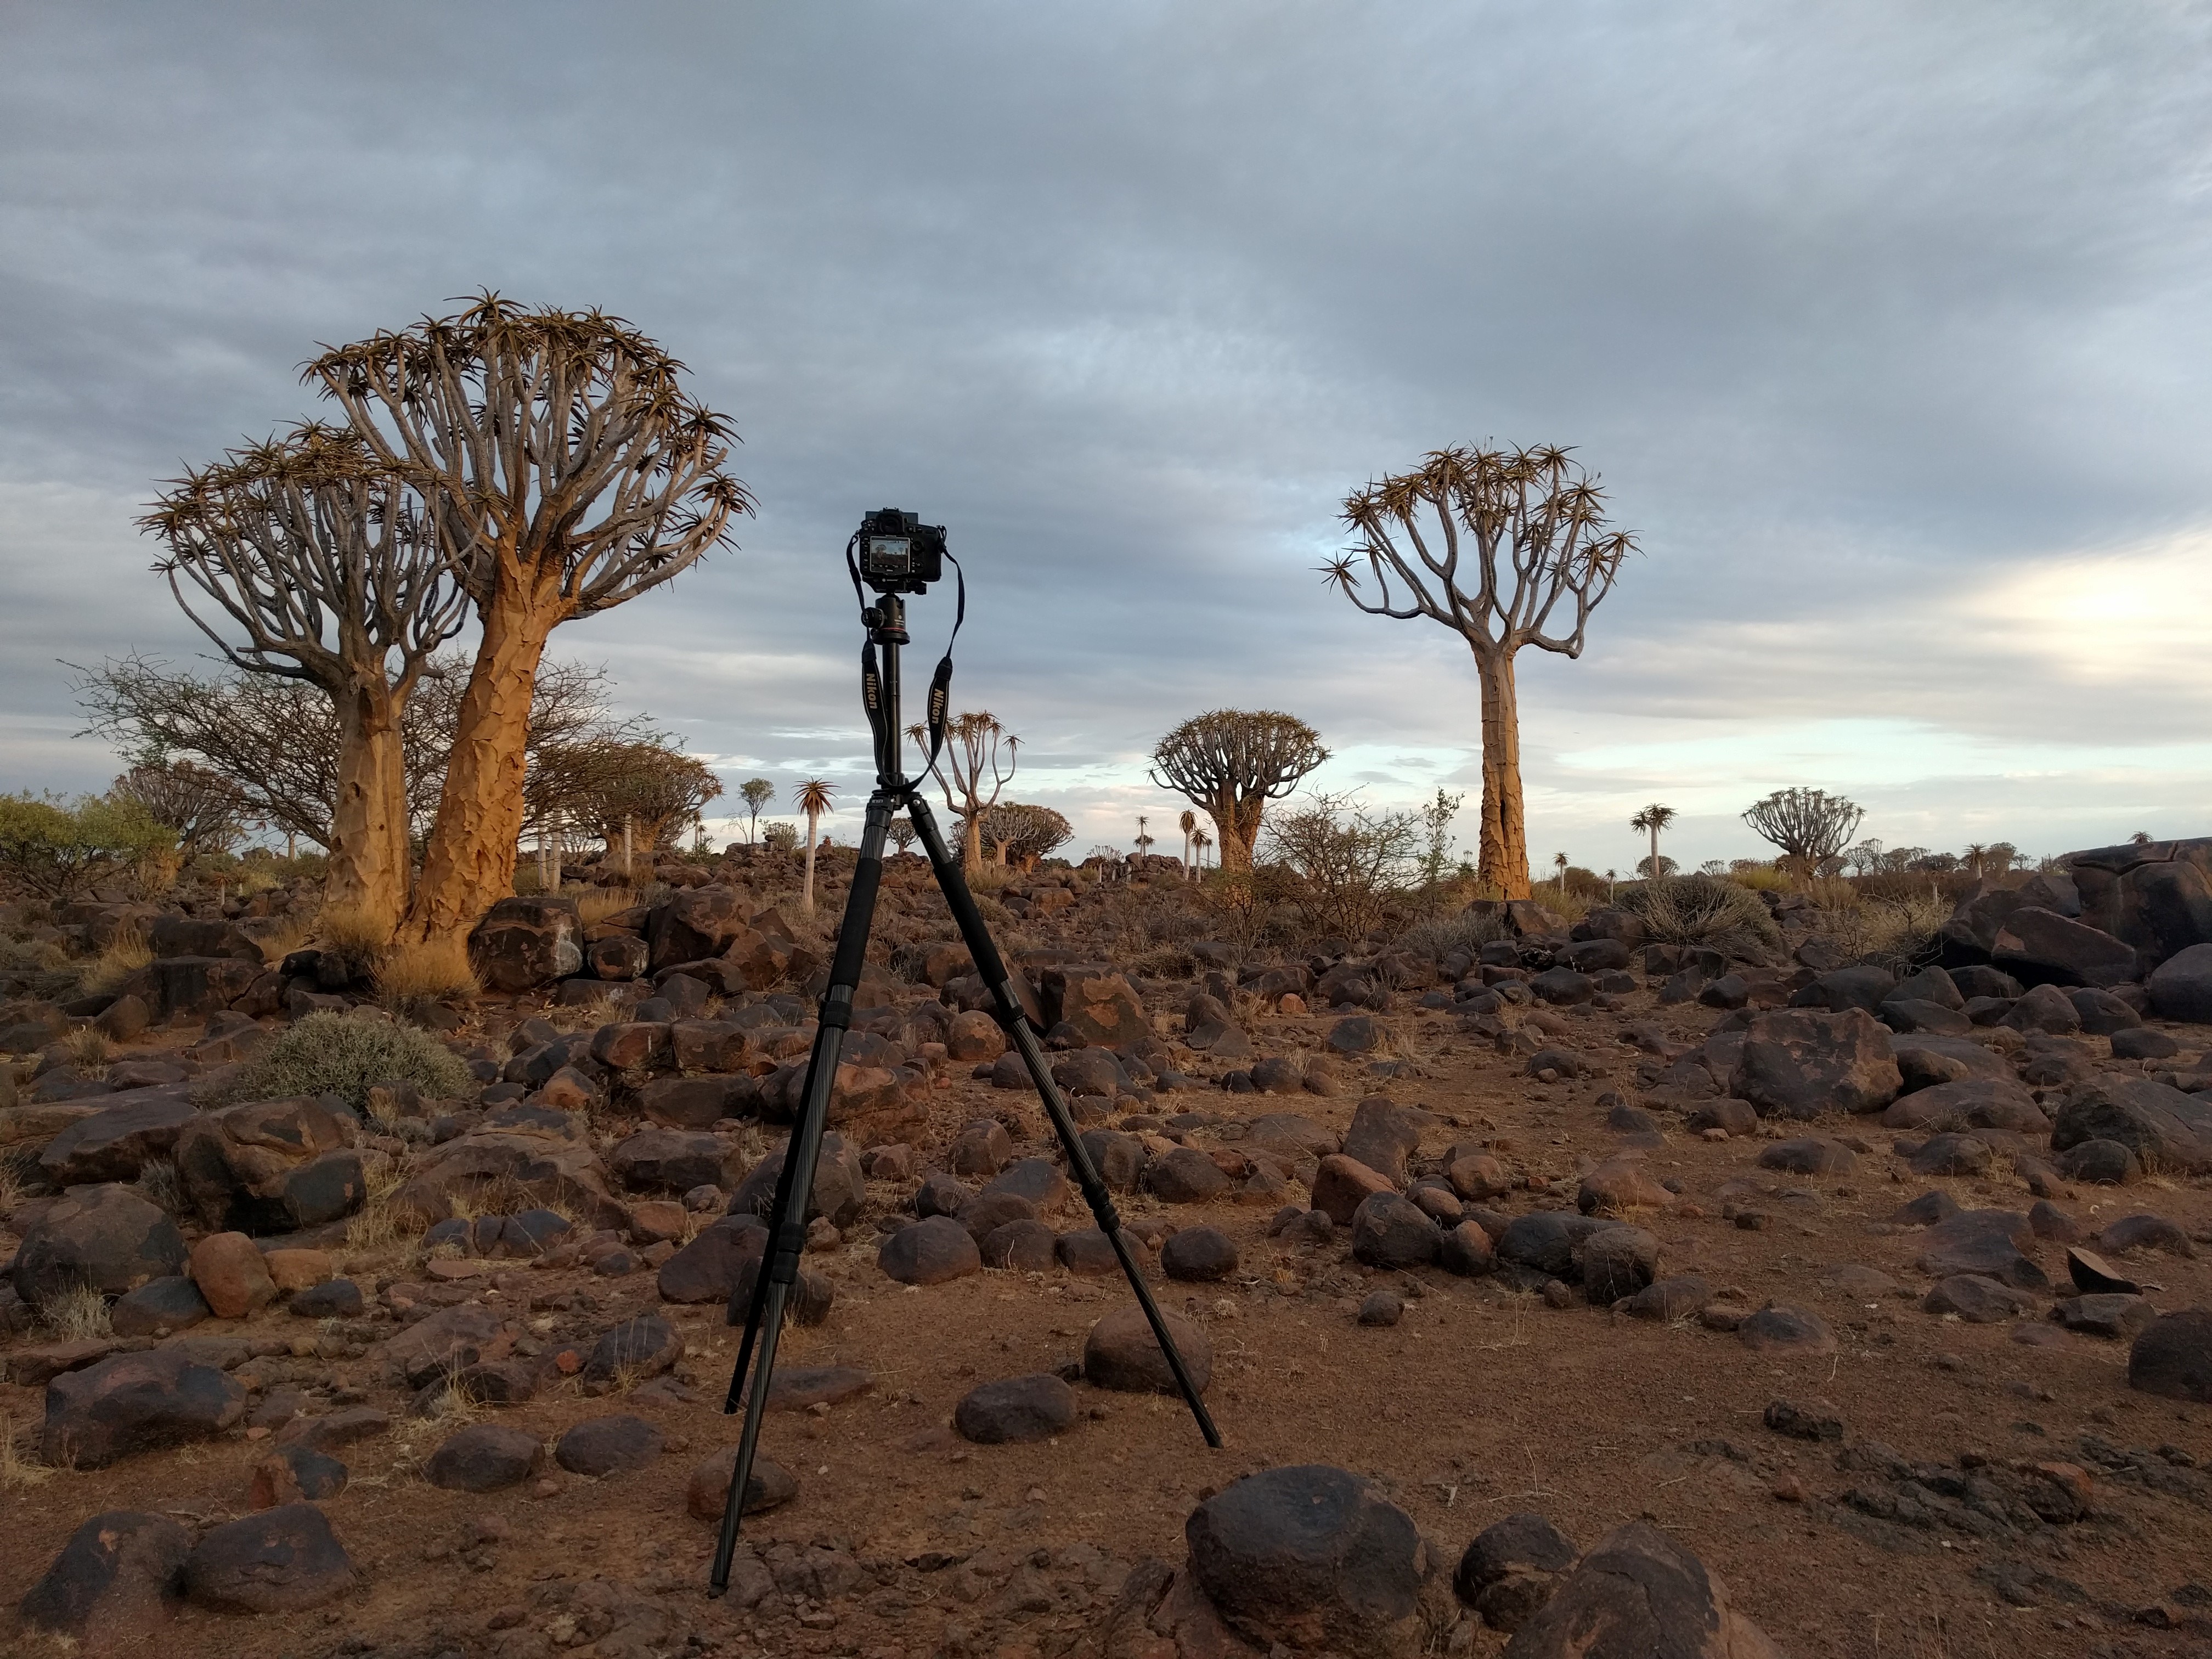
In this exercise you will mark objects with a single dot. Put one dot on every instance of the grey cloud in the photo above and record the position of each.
(1857, 313)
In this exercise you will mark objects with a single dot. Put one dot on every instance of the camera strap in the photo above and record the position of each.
(940, 682)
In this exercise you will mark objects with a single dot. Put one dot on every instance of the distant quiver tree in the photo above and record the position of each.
(566, 465)
(978, 761)
(1231, 763)
(312, 547)
(1507, 548)
(1808, 825)
(1651, 820)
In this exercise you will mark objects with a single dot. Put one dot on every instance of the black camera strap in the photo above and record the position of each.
(940, 684)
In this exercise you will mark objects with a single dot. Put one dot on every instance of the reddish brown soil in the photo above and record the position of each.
(1479, 1404)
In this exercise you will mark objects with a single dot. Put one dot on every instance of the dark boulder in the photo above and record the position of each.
(2163, 1126)
(1016, 1411)
(1309, 1557)
(2172, 1356)
(2181, 987)
(1510, 1568)
(1798, 1063)
(484, 1457)
(281, 1560)
(1639, 1596)
(106, 1237)
(117, 1580)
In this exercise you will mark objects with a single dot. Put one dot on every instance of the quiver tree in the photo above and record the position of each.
(314, 548)
(202, 808)
(1231, 763)
(565, 465)
(1507, 548)
(1020, 834)
(1809, 825)
(813, 799)
(1651, 820)
(977, 762)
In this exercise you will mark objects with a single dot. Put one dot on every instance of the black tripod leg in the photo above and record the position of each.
(787, 1242)
(992, 968)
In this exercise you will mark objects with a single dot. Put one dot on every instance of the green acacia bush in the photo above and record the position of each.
(1713, 911)
(340, 1054)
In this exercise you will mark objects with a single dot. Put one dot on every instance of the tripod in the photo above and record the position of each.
(886, 624)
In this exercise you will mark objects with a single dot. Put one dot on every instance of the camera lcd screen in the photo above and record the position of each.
(890, 555)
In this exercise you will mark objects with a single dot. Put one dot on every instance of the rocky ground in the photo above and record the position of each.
(1869, 1296)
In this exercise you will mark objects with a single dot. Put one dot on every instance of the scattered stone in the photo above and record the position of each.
(2100, 1163)
(1022, 1246)
(233, 1275)
(1992, 1242)
(1382, 1309)
(1953, 1155)
(484, 1457)
(1639, 1593)
(1669, 1299)
(1510, 1569)
(1808, 1156)
(2107, 1315)
(135, 1402)
(770, 1486)
(1391, 1231)
(2131, 1233)
(1621, 1185)
(281, 1560)
(1122, 1353)
(1342, 1184)
(293, 1474)
(1617, 1262)
(932, 1252)
(1311, 1558)
(1777, 1330)
(1799, 1063)
(1465, 1250)
(116, 1581)
(1816, 1421)
(2181, 987)
(1016, 1411)
(601, 1446)
(1199, 1255)
(2158, 1124)
(1383, 1135)
(2172, 1356)
(172, 1303)
(1184, 1174)
(107, 1237)
(1976, 1300)
(2094, 1275)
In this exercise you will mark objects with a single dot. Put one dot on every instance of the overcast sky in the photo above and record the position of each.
(1885, 326)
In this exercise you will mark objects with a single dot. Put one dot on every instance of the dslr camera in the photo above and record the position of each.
(899, 554)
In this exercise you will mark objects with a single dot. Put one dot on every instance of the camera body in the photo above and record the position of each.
(899, 554)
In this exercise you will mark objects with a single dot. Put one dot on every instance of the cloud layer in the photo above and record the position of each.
(1885, 328)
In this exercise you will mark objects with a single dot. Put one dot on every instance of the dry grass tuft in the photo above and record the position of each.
(378, 1226)
(124, 955)
(295, 933)
(1439, 936)
(413, 978)
(17, 1165)
(19, 1470)
(594, 905)
(77, 1315)
(357, 937)
(89, 1050)
(158, 1185)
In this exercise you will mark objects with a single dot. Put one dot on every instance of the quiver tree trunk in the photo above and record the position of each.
(369, 852)
(469, 865)
(1503, 856)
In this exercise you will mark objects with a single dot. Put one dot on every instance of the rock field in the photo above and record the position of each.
(1562, 1294)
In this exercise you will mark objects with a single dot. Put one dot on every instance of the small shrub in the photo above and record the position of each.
(159, 1186)
(414, 977)
(1711, 912)
(20, 1470)
(1438, 937)
(124, 955)
(334, 1054)
(275, 947)
(1899, 935)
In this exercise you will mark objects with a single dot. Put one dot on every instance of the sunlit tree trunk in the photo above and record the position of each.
(369, 853)
(469, 865)
(1503, 859)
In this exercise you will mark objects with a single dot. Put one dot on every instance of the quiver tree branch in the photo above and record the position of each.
(565, 464)
(1231, 763)
(313, 549)
(1506, 547)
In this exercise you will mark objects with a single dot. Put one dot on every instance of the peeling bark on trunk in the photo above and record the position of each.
(369, 858)
(971, 842)
(469, 863)
(806, 898)
(1232, 850)
(1503, 861)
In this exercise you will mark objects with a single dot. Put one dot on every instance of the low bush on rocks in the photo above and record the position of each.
(334, 1054)
(1706, 911)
